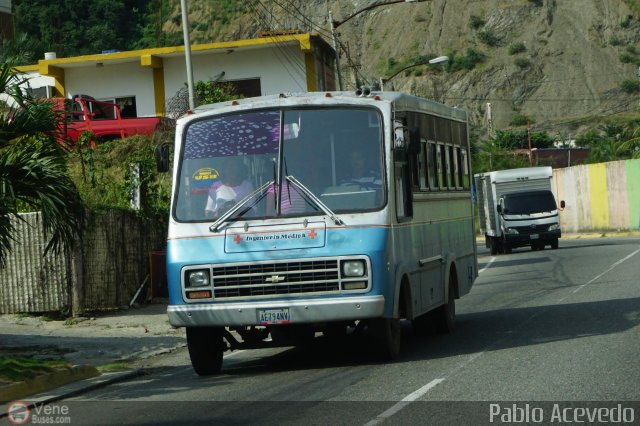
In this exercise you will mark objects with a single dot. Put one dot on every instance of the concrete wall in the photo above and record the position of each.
(600, 197)
(106, 273)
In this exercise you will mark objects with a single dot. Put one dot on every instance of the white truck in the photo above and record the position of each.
(517, 208)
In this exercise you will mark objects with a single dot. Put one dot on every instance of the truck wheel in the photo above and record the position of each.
(506, 248)
(386, 334)
(445, 315)
(206, 347)
(554, 244)
(493, 247)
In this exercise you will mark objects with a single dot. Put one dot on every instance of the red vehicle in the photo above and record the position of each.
(102, 118)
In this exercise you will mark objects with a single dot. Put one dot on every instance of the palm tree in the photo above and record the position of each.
(33, 168)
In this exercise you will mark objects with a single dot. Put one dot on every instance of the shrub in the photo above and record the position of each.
(520, 120)
(476, 22)
(516, 48)
(521, 63)
(626, 58)
(488, 37)
(615, 41)
(627, 22)
(468, 61)
(630, 86)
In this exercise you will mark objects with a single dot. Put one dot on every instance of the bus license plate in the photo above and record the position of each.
(534, 236)
(273, 316)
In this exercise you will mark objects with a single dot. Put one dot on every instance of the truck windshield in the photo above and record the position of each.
(529, 202)
(335, 153)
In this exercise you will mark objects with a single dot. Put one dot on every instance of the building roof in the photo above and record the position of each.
(149, 57)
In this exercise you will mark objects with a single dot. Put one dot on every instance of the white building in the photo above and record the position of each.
(150, 77)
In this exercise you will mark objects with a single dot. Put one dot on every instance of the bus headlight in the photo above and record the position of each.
(198, 278)
(353, 268)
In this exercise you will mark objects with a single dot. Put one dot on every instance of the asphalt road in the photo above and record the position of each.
(540, 334)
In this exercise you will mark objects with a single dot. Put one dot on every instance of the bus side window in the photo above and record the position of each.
(464, 168)
(432, 171)
(442, 166)
(422, 165)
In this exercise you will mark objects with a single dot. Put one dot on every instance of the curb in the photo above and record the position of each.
(75, 386)
(46, 382)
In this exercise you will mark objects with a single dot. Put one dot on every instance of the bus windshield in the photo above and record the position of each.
(335, 154)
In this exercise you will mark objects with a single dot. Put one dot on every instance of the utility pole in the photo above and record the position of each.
(335, 47)
(529, 139)
(187, 53)
(489, 120)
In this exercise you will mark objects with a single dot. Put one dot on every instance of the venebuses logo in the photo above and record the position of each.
(18, 413)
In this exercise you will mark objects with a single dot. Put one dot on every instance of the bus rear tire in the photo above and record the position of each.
(206, 346)
(387, 337)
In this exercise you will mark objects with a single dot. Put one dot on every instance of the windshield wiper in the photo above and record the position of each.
(237, 206)
(312, 197)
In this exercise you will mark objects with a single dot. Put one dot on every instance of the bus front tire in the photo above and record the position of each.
(386, 333)
(206, 346)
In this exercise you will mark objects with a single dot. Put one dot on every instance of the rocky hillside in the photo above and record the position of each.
(559, 63)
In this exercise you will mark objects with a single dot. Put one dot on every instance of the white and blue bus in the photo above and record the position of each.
(328, 212)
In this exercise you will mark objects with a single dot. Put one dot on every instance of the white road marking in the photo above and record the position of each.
(404, 402)
(488, 265)
(426, 388)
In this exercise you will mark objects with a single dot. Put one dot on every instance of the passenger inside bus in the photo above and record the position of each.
(232, 187)
(361, 172)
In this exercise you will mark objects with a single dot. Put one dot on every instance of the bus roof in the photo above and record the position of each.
(402, 102)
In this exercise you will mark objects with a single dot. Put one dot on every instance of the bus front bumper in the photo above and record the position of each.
(299, 311)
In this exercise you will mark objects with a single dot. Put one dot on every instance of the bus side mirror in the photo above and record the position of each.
(562, 204)
(162, 157)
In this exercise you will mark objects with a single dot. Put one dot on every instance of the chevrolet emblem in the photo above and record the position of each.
(274, 279)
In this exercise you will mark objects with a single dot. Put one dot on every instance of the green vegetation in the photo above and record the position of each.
(516, 48)
(489, 38)
(468, 61)
(521, 63)
(16, 369)
(612, 141)
(209, 92)
(500, 153)
(476, 22)
(33, 172)
(630, 86)
(105, 181)
(114, 366)
(106, 24)
(520, 120)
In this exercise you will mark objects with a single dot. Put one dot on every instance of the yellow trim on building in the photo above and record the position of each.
(310, 65)
(58, 77)
(151, 61)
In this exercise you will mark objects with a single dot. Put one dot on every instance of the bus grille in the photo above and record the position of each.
(279, 278)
